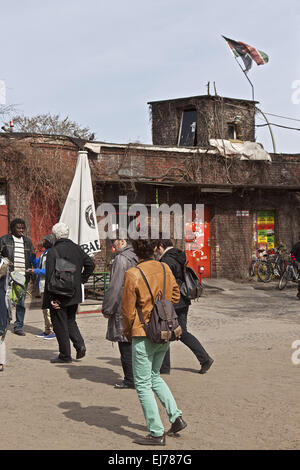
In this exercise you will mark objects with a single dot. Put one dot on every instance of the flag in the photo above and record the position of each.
(79, 209)
(247, 53)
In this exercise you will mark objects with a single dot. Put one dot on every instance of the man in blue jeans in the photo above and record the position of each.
(18, 249)
(176, 260)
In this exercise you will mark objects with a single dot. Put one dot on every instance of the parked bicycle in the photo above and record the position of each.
(272, 265)
(291, 273)
(262, 256)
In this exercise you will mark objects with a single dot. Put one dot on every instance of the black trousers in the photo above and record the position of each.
(66, 329)
(126, 361)
(189, 340)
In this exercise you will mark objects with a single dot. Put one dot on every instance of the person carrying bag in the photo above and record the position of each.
(147, 356)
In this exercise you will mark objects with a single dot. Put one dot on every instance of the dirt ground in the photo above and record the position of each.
(249, 399)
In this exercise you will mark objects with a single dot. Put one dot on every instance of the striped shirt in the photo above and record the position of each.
(19, 256)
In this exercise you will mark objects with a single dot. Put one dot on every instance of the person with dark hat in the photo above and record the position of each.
(40, 270)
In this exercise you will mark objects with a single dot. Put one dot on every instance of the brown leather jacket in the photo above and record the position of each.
(136, 291)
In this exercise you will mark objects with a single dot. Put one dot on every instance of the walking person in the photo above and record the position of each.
(176, 259)
(18, 249)
(147, 357)
(62, 308)
(111, 306)
(295, 255)
(40, 270)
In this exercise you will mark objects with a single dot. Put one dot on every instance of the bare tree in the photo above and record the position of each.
(50, 124)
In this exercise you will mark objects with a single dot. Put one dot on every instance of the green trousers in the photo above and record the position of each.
(147, 359)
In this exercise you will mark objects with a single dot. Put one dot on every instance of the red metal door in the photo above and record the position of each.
(198, 242)
(43, 215)
(3, 220)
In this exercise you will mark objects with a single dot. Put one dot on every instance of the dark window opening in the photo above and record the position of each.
(187, 134)
(231, 131)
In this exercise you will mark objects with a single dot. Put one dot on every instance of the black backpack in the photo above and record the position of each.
(62, 280)
(163, 325)
(190, 287)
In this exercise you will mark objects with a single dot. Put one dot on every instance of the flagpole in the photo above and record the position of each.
(244, 72)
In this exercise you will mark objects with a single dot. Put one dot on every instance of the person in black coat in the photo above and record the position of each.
(63, 309)
(295, 255)
(176, 259)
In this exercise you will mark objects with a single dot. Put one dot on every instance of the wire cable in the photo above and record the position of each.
(277, 125)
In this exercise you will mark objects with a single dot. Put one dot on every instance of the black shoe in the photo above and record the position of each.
(168, 372)
(151, 440)
(206, 365)
(298, 295)
(80, 352)
(178, 425)
(19, 332)
(123, 385)
(58, 360)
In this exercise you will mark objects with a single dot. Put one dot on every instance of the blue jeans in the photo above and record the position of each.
(20, 312)
(147, 359)
(3, 308)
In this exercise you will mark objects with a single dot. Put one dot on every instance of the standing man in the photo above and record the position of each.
(63, 309)
(112, 303)
(18, 249)
(176, 259)
(295, 255)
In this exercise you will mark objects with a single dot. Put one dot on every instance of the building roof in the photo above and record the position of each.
(204, 97)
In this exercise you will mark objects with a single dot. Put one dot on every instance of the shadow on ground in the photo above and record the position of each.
(103, 417)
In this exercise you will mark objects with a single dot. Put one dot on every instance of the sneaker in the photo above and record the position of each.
(41, 335)
(51, 336)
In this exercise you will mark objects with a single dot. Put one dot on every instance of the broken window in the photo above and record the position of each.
(187, 134)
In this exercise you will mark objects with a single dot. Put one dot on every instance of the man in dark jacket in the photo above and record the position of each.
(112, 303)
(63, 309)
(18, 249)
(295, 255)
(176, 259)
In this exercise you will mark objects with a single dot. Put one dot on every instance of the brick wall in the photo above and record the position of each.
(139, 171)
(214, 114)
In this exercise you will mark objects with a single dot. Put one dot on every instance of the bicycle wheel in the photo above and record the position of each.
(283, 280)
(264, 271)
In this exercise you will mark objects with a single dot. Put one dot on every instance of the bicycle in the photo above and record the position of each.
(256, 261)
(274, 265)
(291, 273)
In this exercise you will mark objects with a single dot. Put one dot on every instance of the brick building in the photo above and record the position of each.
(244, 202)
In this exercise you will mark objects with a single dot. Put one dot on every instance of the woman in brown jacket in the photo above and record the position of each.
(147, 357)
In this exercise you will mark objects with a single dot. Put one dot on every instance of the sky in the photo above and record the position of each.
(100, 62)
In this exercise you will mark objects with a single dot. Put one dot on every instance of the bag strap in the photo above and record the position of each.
(147, 284)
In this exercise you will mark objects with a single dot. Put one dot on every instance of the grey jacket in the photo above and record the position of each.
(112, 302)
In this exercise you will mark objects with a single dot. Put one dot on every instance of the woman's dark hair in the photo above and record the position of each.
(15, 222)
(143, 248)
(163, 242)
